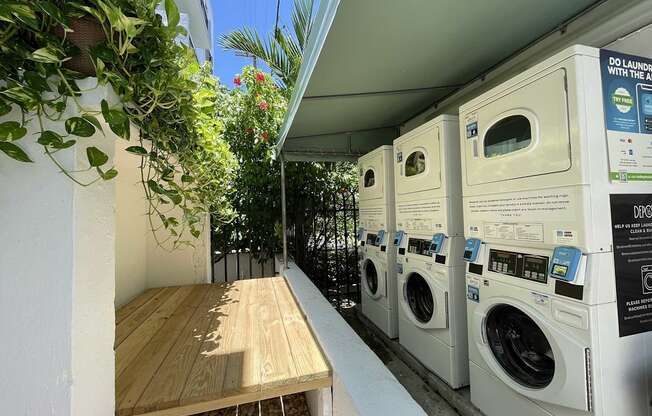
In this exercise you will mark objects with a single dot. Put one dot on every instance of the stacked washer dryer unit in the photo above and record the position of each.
(432, 311)
(377, 227)
(542, 319)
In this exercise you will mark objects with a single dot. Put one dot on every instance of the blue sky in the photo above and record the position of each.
(234, 14)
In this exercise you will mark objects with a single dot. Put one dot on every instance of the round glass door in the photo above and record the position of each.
(419, 297)
(371, 277)
(520, 346)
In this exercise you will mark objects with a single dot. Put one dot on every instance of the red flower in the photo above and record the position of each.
(237, 81)
(265, 136)
(263, 105)
(249, 130)
(260, 77)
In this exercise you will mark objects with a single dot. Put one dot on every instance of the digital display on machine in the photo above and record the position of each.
(468, 254)
(419, 246)
(524, 266)
(559, 270)
(371, 239)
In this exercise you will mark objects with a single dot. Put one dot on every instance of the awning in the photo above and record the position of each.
(372, 65)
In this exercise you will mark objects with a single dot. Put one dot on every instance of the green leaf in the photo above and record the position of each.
(79, 127)
(4, 108)
(118, 121)
(108, 175)
(53, 11)
(172, 13)
(65, 145)
(36, 81)
(186, 178)
(14, 152)
(137, 150)
(96, 157)
(14, 13)
(47, 55)
(50, 138)
(174, 196)
(11, 130)
(195, 232)
(155, 187)
(94, 121)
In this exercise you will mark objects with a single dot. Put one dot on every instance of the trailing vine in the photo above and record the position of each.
(164, 93)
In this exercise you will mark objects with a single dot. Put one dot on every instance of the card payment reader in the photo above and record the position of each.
(360, 234)
(472, 250)
(398, 238)
(567, 264)
(437, 245)
(380, 239)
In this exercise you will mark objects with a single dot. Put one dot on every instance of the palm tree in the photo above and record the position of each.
(282, 51)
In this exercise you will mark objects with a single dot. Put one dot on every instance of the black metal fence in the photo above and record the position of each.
(324, 246)
(321, 240)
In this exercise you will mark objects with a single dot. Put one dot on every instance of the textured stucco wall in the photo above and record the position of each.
(56, 282)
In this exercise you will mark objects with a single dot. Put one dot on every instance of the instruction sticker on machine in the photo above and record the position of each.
(631, 218)
(627, 99)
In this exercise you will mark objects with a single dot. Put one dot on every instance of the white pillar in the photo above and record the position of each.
(57, 280)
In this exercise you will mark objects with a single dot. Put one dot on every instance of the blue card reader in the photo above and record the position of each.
(360, 234)
(398, 238)
(437, 243)
(565, 264)
(380, 237)
(472, 249)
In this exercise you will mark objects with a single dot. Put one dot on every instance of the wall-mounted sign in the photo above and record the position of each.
(627, 99)
(631, 219)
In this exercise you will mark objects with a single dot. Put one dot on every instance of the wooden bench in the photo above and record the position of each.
(190, 349)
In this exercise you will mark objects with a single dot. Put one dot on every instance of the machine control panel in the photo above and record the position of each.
(419, 246)
(524, 266)
(437, 243)
(472, 249)
(565, 263)
(372, 238)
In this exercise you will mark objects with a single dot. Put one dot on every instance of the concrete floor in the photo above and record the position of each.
(432, 393)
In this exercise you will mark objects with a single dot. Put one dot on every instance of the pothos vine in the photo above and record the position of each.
(165, 95)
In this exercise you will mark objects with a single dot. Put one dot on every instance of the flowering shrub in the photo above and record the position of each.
(252, 114)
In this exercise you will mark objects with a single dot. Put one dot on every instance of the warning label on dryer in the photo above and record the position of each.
(627, 100)
(631, 218)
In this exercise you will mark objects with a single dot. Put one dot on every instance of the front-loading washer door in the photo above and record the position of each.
(374, 279)
(419, 163)
(520, 134)
(424, 301)
(531, 355)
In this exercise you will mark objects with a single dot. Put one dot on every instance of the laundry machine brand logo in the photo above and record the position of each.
(646, 277)
(642, 211)
(622, 99)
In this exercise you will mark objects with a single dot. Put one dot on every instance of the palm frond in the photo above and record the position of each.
(302, 21)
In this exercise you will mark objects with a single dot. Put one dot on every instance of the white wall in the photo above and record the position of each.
(56, 282)
(131, 227)
(140, 262)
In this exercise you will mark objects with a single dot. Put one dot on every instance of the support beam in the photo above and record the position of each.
(284, 214)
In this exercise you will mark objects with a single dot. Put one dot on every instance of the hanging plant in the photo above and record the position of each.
(46, 46)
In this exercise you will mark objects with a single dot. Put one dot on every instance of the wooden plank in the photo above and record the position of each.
(126, 310)
(166, 387)
(136, 377)
(128, 325)
(242, 373)
(277, 365)
(129, 349)
(207, 375)
(306, 353)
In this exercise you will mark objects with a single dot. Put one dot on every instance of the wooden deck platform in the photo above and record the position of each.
(190, 349)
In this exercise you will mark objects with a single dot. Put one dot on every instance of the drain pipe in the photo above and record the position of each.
(284, 214)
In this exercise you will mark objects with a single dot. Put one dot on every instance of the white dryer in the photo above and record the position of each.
(541, 286)
(432, 313)
(375, 237)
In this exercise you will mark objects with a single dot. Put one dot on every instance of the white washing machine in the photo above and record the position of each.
(536, 349)
(544, 335)
(432, 312)
(375, 237)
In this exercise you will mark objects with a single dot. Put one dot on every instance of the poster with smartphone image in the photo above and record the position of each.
(627, 100)
(631, 221)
